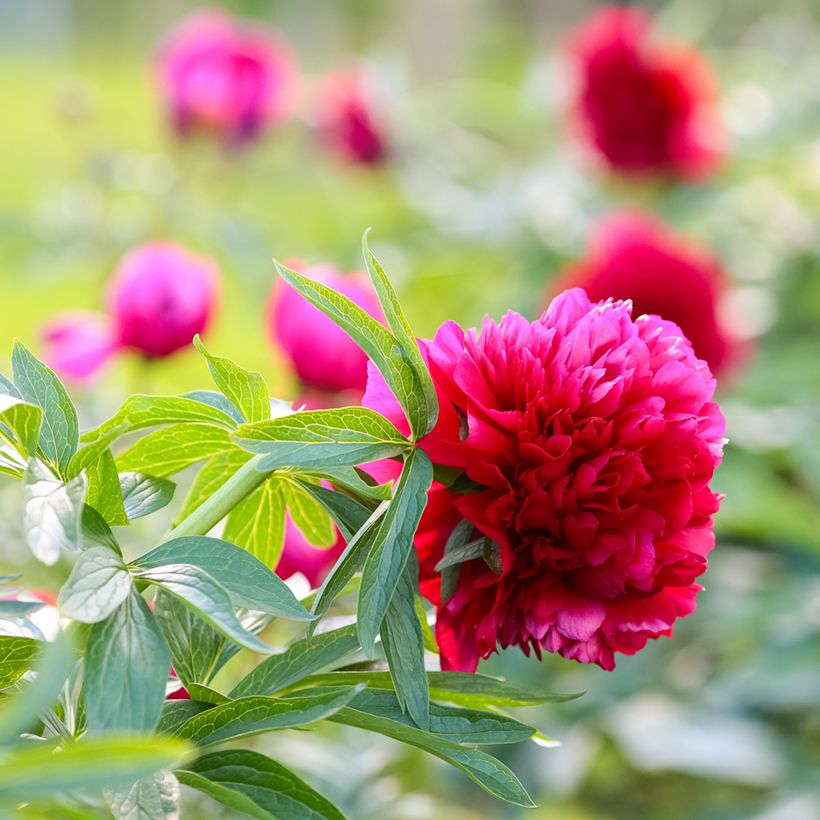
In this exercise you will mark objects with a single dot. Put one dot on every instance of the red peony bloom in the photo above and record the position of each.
(346, 119)
(595, 438)
(645, 107)
(634, 256)
(324, 357)
(225, 77)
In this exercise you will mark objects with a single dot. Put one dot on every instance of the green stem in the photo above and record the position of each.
(208, 514)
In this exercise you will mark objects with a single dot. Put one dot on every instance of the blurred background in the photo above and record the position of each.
(481, 190)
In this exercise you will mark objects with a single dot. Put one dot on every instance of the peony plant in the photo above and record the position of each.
(566, 463)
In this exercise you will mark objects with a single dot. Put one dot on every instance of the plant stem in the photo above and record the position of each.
(208, 514)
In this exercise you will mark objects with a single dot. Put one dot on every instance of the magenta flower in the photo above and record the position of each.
(299, 555)
(160, 297)
(224, 77)
(595, 438)
(324, 357)
(347, 120)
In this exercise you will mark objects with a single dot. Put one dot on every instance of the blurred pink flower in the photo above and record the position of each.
(324, 357)
(225, 77)
(160, 297)
(301, 556)
(347, 121)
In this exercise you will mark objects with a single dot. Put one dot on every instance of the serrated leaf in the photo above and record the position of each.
(313, 439)
(253, 784)
(403, 644)
(98, 584)
(257, 524)
(53, 512)
(249, 583)
(255, 715)
(246, 390)
(309, 516)
(211, 476)
(144, 494)
(491, 774)
(404, 335)
(152, 798)
(374, 339)
(391, 546)
(38, 384)
(126, 666)
(168, 450)
(201, 593)
(16, 657)
(89, 765)
(20, 424)
(301, 658)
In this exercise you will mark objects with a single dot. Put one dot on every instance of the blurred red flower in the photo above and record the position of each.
(324, 357)
(593, 438)
(635, 256)
(347, 121)
(299, 555)
(225, 77)
(646, 107)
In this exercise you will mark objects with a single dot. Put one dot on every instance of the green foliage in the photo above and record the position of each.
(144, 494)
(16, 655)
(98, 584)
(257, 523)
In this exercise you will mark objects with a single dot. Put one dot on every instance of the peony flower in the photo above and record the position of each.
(645, 107)
(347, 123)
(592, 438)
(301, 556)
(225, 77)
(324, 357)
(634, 256)
(160, 297)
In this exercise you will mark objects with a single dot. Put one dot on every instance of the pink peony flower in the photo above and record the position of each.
(301, 556)
(347, 122)
(645, 107)
(324, 357)
(160, 297)
(634, 256)
(594, 437)
(225, 77)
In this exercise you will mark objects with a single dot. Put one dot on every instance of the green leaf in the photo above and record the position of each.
(350, 516)
(40, 769)
(403, 334)
(308, 515)
(255, 715)
(144, 494)
(246, 390)
(59, 435)
(195, 646)
(126, 667)
(217, 400)
(349, 562)
(374, 339)
(204, 694)
(177, 712)
(211, 476)
(98, 584)
(257, 524)
(457, 541)
(20, 424)
(152, 798)
(168, 450)
(464, 688)
(403, 644)
(95, 532)
(249, 583)
(313, 439)
(491, 774)
(391, 547)
(301, 658)
(353, 480)
(468, 726)
(197, 590)
(253, 784)
(428, 638)
(16, 655)
(53, 512)
(37, 696)
(104, 493)
(7, 388)
(19, 609)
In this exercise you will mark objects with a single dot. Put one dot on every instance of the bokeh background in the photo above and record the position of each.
(484, 198)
